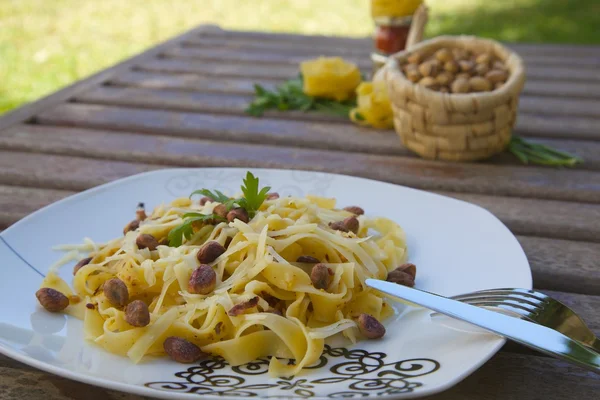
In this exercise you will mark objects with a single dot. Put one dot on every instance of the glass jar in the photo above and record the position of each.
(391, 34)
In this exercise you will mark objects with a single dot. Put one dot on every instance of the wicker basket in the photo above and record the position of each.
(454, 127)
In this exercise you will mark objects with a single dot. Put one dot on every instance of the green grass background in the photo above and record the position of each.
(47, 44)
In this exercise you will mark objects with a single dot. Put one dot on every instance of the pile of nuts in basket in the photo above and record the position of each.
(456, 71)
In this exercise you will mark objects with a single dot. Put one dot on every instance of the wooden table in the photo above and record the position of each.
(182, 104)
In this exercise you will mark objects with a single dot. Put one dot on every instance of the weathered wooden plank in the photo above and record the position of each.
(23, 383)
(218, 70)
(559, 89)
(241, 43)
(276, 62)
(367, 43)
(290, 38)
(557, 126)
(574, 107)
(7, 362)
(568, 70)
(526, 181)
(540, 122)
(61, 172)
(237, 103)
(268, 58)
(540, 218)
(310, 50)
(28, 111)
(221, 127)
(190, 82)
(516, 376)
(561, 50)
(17, 202)
(563, 265)
(166, 99)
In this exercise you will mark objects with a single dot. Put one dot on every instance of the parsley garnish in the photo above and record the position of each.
(290, 96)
(252, 200)
(253, 197)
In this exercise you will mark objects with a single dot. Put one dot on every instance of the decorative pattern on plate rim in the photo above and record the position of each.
(354, 373)
(229, 182)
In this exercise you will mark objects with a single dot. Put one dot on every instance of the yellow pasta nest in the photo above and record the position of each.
(259, 262)
(330, 77)
(373, 106)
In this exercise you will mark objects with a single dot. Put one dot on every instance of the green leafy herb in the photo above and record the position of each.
(532, 153)
(252, 200)
(253, 195)
(216, 196)
(359, 116)
(290, 96)
(186, 229)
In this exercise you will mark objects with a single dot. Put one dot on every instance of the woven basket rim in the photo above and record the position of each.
(514, 83)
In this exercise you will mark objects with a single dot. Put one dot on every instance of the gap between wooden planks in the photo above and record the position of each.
(522, 181)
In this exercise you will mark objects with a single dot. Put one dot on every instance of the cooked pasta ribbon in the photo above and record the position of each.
(260, 261)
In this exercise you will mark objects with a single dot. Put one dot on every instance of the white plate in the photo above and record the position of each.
(458, 247)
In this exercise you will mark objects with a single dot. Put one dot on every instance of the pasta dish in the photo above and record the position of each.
(242, 277)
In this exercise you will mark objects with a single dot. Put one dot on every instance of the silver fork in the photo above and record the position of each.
(535, 307)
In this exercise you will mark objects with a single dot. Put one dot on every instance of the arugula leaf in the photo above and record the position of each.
(253, 197)
(215, 196)
(290, 96)
(186, 229)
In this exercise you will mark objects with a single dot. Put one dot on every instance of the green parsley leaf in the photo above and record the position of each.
(253, 197)
(186, 229)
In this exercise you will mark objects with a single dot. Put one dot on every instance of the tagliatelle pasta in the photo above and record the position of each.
(267, 297)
